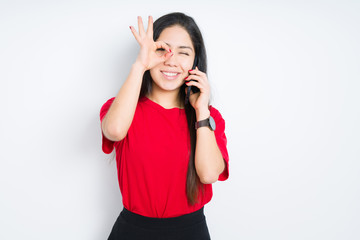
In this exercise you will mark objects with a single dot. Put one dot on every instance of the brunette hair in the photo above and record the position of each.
(193, 184)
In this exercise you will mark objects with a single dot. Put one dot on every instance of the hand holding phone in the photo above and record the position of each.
(192, 88)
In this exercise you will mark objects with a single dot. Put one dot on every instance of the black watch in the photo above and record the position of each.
(209, 122)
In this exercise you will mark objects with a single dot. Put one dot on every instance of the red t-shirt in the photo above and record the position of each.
(152, 160)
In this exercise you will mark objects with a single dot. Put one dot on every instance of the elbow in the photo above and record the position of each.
(210, 174)
(113, 132)
(208, 178)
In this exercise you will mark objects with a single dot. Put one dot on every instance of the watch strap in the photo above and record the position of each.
(202, 123)
(208, 122)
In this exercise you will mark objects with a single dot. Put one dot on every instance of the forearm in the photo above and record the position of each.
(120, 115)
(209, 162)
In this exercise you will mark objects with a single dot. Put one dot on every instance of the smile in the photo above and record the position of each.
(170, 75)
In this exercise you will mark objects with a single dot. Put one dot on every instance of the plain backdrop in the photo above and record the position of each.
(284, 75)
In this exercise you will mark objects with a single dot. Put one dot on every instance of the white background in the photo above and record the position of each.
(284, 75)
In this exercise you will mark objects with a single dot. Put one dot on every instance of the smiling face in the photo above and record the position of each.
(170, 75)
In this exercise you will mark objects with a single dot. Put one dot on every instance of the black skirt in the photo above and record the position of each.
(132, 226)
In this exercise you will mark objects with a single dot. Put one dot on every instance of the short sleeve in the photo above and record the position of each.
(221, 140)
(107, 145)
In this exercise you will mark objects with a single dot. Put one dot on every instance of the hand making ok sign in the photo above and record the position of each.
(148, 56)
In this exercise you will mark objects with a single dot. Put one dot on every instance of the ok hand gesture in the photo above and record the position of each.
(148, 55)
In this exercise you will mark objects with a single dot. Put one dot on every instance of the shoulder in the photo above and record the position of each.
(108, 103)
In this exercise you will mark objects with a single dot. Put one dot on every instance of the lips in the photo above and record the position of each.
(170, 75)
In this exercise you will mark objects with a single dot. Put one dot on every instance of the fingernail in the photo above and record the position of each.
(130, 27)
(169, 50)
(191, 70)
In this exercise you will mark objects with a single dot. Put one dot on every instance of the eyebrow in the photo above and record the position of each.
(181, 46)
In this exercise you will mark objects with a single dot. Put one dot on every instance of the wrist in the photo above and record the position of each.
(202, 114)
(139, 66)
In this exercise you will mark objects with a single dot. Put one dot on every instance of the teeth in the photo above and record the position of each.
(170, 74)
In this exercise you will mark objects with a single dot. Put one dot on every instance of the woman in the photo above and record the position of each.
(168, 149)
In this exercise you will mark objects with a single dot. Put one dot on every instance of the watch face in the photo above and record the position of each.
(212, 123)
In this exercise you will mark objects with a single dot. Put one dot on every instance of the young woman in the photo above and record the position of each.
(170, 143)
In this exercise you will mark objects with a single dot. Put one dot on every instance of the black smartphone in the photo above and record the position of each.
(192, 88)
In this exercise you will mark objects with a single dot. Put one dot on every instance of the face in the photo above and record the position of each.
(170, 75)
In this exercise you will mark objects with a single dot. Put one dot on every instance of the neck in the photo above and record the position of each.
(167, 99)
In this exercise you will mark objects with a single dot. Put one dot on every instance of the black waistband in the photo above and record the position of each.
(174, 222)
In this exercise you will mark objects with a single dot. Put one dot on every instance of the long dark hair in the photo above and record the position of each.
(193, 184)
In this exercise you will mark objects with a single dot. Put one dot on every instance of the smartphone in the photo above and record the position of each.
(192, 88)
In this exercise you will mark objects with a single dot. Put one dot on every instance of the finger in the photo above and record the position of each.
(194, 83)
(136, 35)
(199, 85)
(166, 56)
(150, 26)
(196, 71)
(161, 44)
(196, 78)
(141, 26)
(201, 77)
